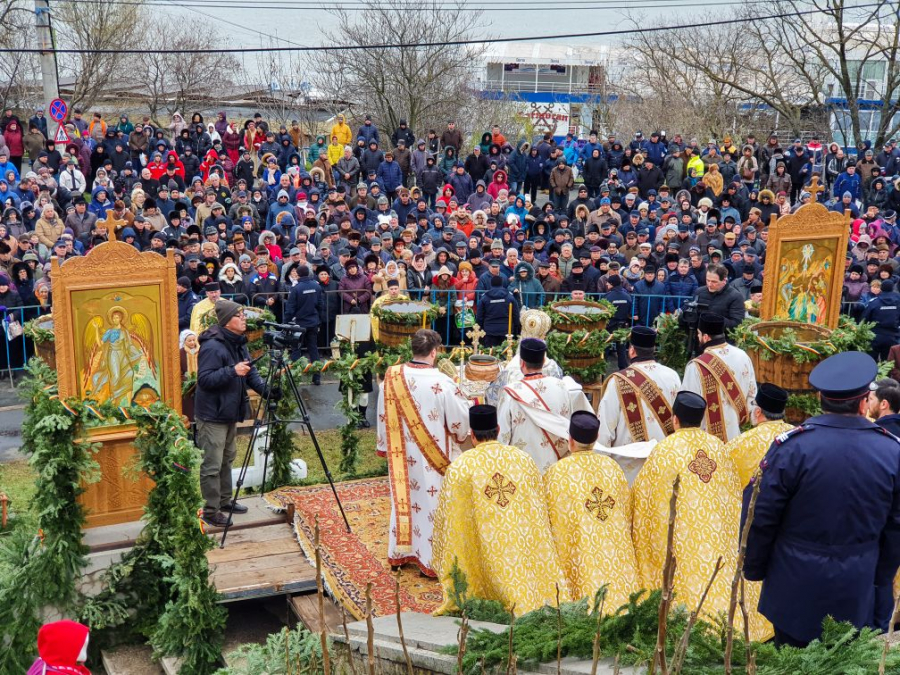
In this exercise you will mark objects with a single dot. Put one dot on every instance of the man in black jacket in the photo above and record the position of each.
(224, 372)
(719, 298)
(305, 304)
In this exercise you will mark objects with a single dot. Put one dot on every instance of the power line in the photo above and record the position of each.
(260, 7)
(457, 43)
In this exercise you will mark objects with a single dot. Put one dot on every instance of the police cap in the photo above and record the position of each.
(844, 376)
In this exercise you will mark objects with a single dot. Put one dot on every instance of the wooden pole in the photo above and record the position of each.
(738, 572)
(4, 503)
(370, 630)
(558, 634)
(889, 638)
(511, 658)
(681, 651)
(347, 638)
(320, 591)
(596, 649)
(409, 665)
(659, 657)
(748, 646)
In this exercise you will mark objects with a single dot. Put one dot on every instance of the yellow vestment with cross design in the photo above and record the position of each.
(492, 522)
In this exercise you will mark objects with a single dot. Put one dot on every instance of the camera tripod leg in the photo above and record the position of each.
(245, 465)
(304, 416)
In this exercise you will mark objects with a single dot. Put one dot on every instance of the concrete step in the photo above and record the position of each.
(130, 660)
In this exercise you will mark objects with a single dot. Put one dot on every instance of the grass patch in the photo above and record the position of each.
(370, 464)
(17, 481)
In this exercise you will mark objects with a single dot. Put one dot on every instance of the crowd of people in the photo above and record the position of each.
(250, 211)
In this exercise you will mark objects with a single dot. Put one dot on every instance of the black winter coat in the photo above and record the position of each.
(222, 395)
(305, 304)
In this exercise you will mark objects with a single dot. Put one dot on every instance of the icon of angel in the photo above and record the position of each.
(118, 356)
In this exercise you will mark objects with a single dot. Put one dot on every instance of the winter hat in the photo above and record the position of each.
(226, 310)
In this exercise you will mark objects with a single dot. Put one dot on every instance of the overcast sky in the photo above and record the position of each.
(306, 27)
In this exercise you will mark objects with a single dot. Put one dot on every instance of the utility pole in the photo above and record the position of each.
(48, 56)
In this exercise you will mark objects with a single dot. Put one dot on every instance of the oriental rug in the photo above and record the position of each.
(352, 560)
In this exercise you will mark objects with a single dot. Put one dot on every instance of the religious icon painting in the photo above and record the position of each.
(116, 324)
(805, 264)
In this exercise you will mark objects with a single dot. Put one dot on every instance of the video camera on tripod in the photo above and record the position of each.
(282, 335)
(689, 319)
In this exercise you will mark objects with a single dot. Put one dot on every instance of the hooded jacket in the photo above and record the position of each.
(222, 395)
(529, 291)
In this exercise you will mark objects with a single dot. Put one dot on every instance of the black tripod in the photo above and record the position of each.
(277, 363)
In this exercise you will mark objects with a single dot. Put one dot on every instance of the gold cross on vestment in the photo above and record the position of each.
(500, 487)
(475, 334)
(703, 465)
(814, 188)
(599, 507)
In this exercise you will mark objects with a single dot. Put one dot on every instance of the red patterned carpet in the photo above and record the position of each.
(351, 560)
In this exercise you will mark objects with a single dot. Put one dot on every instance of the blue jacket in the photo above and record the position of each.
(515, 166)
(815, 559)
(306, 303)
(534, 166)
(648, 308)
(368, 132)
(390, 175)
(462, 186)
(677, 285)
(529, 291)
(847, 183)
(884, 311)
(655, 152)
(493, 311)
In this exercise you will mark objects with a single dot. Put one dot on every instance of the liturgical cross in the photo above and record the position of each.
(500, 487)
(599, 507)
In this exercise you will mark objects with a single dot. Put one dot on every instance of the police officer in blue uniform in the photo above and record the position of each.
(825, 538)
(304, 304)
(493, 313)
(884, 310)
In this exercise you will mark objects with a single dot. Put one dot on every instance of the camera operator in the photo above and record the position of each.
(717, 297)
(304, 306)
(224, 372)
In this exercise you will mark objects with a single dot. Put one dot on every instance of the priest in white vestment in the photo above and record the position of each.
(637, 402)
(422, 419)
(723, 375)
(530, 407)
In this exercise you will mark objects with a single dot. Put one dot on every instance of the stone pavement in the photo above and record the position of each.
(425, 635)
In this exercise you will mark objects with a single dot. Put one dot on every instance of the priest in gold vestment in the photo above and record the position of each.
(707, 523)
(748, 449)
(589, 503)
(492, 523)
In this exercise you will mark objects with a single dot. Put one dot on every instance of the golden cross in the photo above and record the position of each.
(500, 487)
(599, 507)
(475, 334)
(814, 188)
(110, 222)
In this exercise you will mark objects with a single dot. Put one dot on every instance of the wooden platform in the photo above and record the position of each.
(259, 561)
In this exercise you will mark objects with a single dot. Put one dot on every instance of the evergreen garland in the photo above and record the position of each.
(671, 343)
(847, 337)
(192, 625)
(160, 589)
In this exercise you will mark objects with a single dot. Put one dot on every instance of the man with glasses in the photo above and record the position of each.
(224, 372)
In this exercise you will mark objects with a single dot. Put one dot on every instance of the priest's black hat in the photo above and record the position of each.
(483, 418)
(643, 337)
(532, 350)
(771, 398)
(689, 407)
(712, 324)
(584, 427)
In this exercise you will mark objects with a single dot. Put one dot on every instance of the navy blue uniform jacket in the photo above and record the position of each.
(825, 539)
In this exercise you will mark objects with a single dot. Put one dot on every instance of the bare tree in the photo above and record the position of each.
(175, 81)
(17, 69)
(857, 48)
(98, 25)
(424, 85)
(828, 60)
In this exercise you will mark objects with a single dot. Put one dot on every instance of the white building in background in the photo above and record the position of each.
(557, 85)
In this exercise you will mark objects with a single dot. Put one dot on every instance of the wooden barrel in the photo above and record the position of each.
(581, 309)
(394, 334)
(482, 368)
(782, 369)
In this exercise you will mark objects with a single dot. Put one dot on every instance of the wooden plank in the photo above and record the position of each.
(262, 563)
(253, 550)
(259, 583)
(306, 607)
(255, 534)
